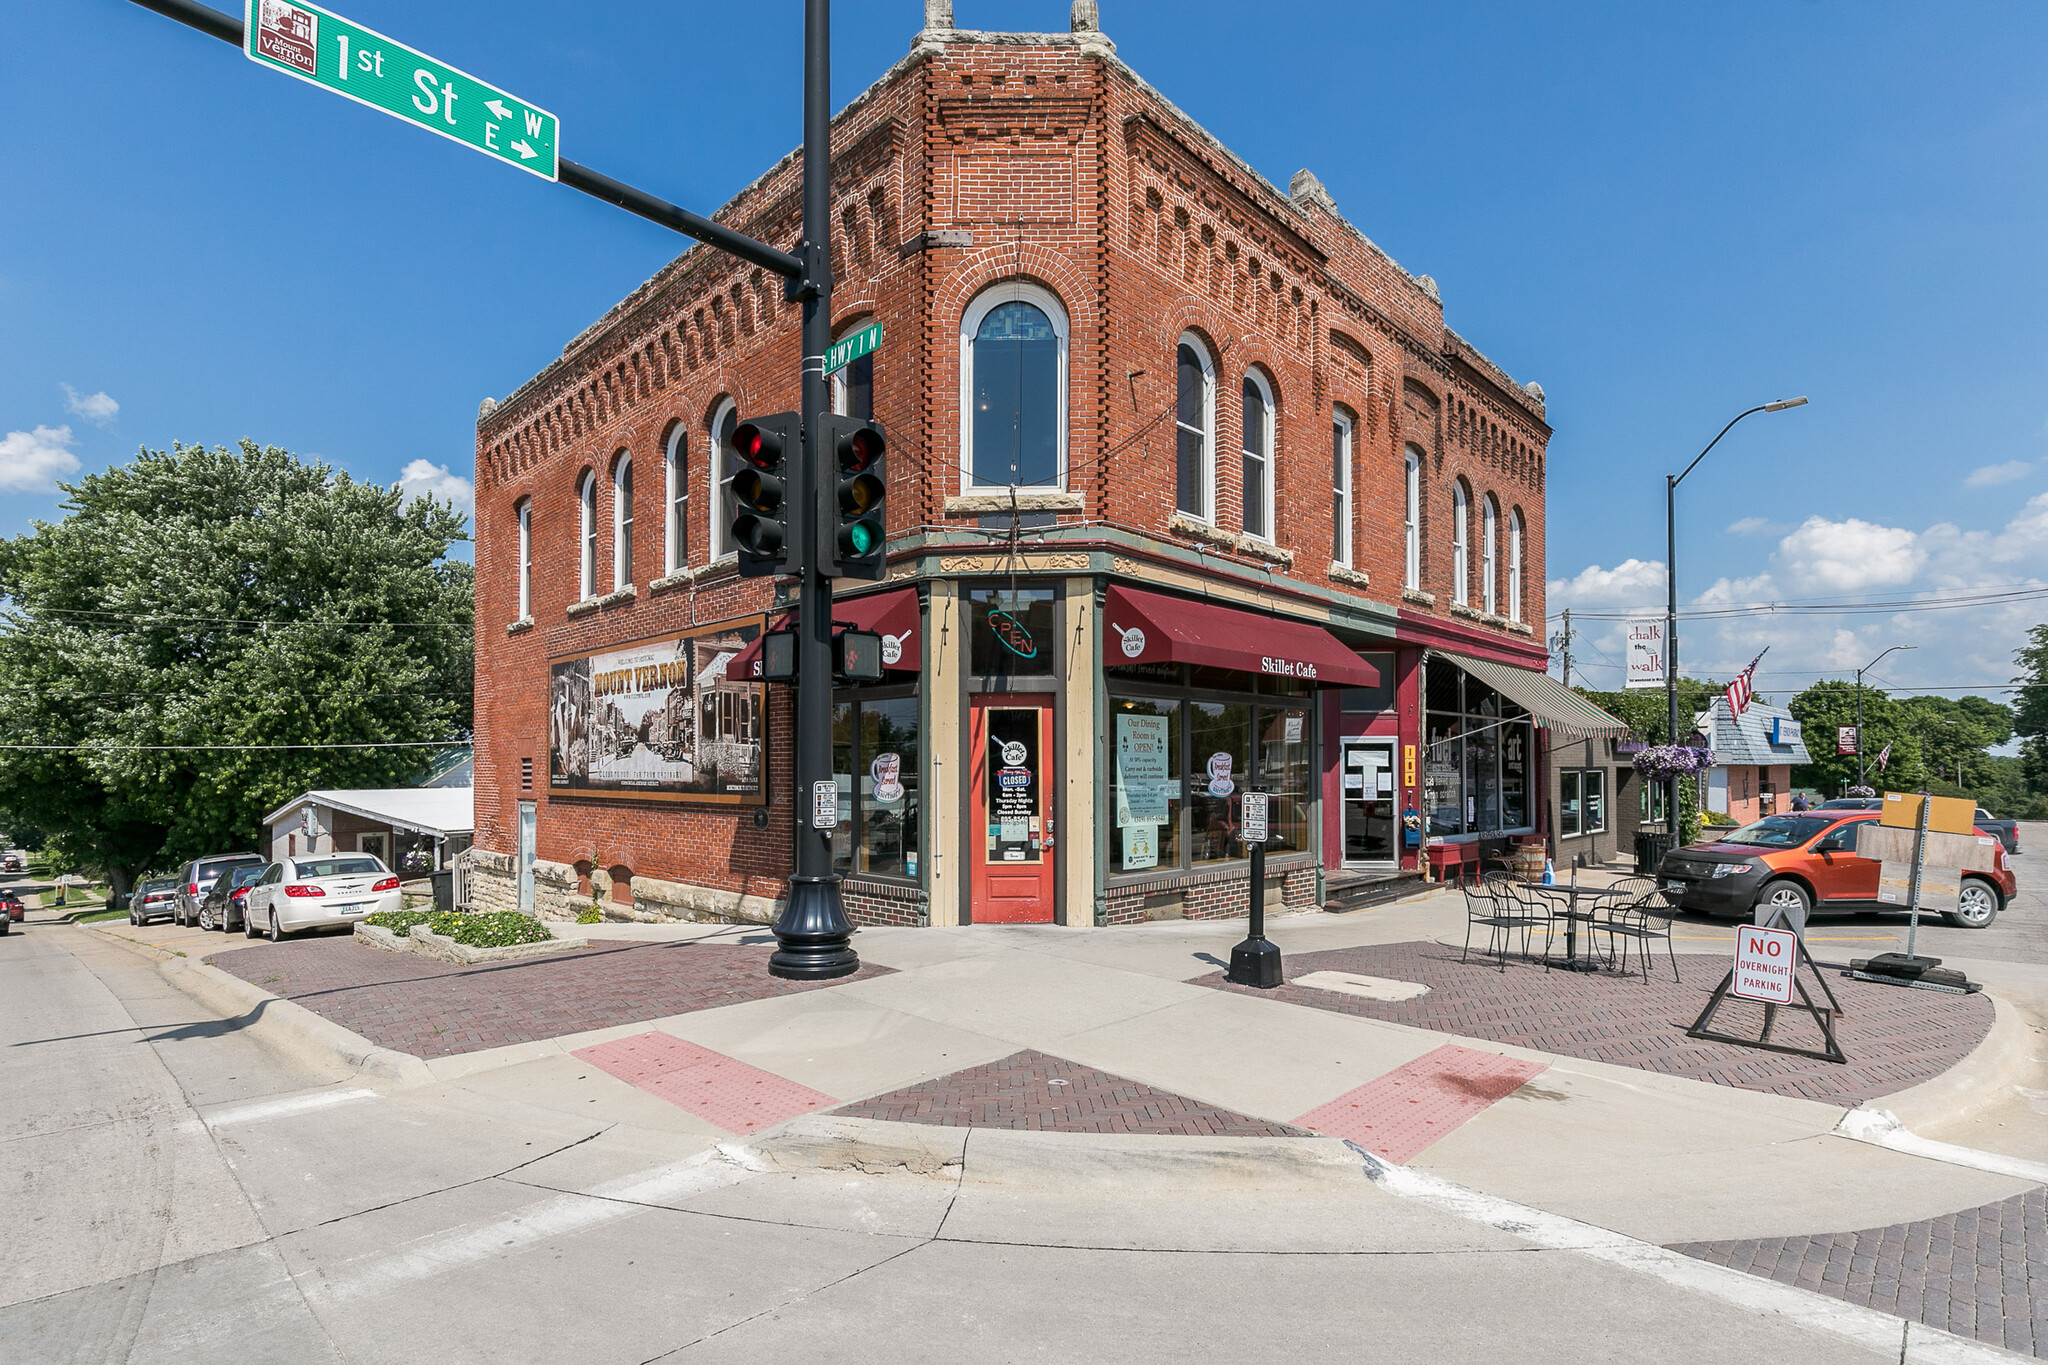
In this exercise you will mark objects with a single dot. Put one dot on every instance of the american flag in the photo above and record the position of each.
(1741, 690)
(1884, 756)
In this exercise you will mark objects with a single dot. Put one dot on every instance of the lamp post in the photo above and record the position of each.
(1859, 706)
(1671, 482)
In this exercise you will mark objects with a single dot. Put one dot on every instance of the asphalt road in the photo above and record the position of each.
(171, 1190)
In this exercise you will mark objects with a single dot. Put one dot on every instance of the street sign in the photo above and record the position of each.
(825, 804)
(1254, 817)
(324, 49)
(843, 353)
(1764, 962)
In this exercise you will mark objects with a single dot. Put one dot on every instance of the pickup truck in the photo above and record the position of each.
(2008, 831)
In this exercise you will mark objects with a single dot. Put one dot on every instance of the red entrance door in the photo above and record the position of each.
(1011, 777)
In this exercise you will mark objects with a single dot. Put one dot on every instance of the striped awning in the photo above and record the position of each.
(1552, 705)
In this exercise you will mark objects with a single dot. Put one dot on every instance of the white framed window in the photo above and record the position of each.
(853, 384)
(1489, 552)
(718, 469)
(1340, 488)
(1411, 502)
(1461, 544)
(586, 500)
(675, 468)
(525, 560)
(1515, 565)
(1258, 456)
(622, 523)
(1013, 389)
(1194, 423)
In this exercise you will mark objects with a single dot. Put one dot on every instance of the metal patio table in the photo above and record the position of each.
(1573, 917)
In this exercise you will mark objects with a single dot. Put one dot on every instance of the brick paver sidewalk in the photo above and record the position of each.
(1894, 1038)
(1981, 1273)
(1035, 1091)
(435, 1009)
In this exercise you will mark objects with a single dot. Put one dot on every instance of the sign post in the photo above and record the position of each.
(1944, 840)
(1255, 962)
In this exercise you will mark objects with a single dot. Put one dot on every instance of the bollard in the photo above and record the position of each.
(1255, 962)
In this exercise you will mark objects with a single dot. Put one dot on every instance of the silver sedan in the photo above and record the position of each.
(310, 892)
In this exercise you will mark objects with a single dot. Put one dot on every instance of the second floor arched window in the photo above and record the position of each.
(622, 523)
(586, 568)
(1340, 483)
(718, 468)
(1258, 457)
(1515, 565)
(1411, 528)
(1489, 551)
(1461, 544)
(526, 560)
(675, 468)
(1013, 388)
(1194, 423)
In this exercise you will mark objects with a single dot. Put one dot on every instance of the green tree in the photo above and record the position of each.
(1823, 707)
(1955, 735)
(1645, 710)
(2030, 708)
(227, 598)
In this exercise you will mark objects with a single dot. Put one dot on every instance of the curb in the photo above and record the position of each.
(1998, 1063)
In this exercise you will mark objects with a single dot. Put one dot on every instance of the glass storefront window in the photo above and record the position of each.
(1213, 752)
(1283, 772)
(1514, 777)
(1012, 631)
(1567, 804)
(875, 756)
(1219, 760)
(1149, 785)
(1443, 775)
(1476, 778)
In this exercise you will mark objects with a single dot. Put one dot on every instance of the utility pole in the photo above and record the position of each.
(1860, 745)
(1562, 642)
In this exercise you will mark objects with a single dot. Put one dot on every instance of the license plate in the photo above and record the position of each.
(348, 905)
(1674, 886)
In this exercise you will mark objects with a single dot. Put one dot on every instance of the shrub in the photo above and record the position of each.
(399, 922)
(500, 930)
(590, 914)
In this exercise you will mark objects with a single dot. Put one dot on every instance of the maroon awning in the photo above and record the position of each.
(892, 615)
(1150, 627)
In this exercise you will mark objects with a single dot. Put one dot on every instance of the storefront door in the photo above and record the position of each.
(1367, 780)
(1011, 777)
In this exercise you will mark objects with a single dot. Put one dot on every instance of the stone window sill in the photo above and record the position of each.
(1344, 573)
(1418, 597)
(1264, 549)
(1467, 613)
(583, 608)
(684, 578)
(1521, 628)
(618, 597)
(995, 502)
(520, 627)
(1180, 523)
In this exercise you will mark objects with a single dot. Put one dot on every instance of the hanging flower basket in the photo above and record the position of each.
(1673, 760)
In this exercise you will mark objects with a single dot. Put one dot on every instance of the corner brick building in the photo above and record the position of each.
(1191, 491)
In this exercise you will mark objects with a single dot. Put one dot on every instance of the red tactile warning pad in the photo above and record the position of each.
(1412, 1106)
(716, 1088)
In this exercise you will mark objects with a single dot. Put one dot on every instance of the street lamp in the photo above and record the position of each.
(1859, 706)
(1671, 482)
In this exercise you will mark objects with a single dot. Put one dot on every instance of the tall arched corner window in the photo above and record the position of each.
(622, 523)
(525, 560)
(675, 469)
(586, 568)
(1013, 389)
(1515, 565)
(1411, 525)
(1194, 421)
(1461, 545)
(1340, 487)
(853, 384)
(1258, 457)
(718, 468)
(1489, 551)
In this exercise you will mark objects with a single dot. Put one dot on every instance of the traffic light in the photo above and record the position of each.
(851, 520)
(760, 528)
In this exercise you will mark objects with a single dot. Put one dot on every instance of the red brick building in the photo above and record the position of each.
(1191, 490)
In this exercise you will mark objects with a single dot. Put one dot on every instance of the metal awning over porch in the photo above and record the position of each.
(1550, 704)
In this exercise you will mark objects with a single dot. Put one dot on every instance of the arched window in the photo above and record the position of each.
(1489, 554)
(1515, 565)
(1461, 545)
(1411, 573)
(525, 560)
(675, 468)
(724, 417)
(853, 384)
(1194, 428)
(586, 499)
(1340, 484)
(1013, 389)
(1258, 457)
(622, 523)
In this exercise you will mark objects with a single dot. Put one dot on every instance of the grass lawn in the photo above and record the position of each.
(96, 916)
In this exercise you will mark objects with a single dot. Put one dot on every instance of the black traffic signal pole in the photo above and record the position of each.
(815, 935)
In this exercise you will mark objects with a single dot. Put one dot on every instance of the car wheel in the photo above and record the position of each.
(276, 933)
(1976, 906)
(249, 929)
(1787, 898)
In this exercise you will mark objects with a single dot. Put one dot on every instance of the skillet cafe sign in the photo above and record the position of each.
(324, 49)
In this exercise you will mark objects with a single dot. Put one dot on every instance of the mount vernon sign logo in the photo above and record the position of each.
(285, 33)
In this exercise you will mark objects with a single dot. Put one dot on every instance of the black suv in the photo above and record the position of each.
(221, 908)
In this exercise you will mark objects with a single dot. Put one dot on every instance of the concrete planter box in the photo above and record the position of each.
(444, 949)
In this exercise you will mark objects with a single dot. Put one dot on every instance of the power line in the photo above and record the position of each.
(250, 748)
(115, 617)
(1840, 606)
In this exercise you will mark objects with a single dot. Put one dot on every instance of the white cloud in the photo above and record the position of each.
(1756, 526)
(1991, 475)
(422, 478)
(93, 407)
(1849, 556)
(32, 461)
(1631, 583)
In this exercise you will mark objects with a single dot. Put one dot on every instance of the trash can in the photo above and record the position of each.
(1650, 851)
(444, 890)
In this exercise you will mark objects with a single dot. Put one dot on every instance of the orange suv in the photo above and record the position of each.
(1800, 861)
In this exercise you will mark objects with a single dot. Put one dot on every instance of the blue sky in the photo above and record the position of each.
(1664, 213)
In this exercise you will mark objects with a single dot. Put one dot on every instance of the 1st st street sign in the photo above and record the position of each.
(322, 47)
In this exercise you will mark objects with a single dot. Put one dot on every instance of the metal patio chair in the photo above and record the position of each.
(1483, 906)
(1641, 922)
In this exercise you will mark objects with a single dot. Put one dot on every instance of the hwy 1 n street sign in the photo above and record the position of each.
(327, 50)
(843, 353)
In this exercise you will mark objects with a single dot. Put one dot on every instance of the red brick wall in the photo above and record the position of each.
(1069, 173)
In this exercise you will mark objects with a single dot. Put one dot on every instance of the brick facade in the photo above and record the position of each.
(981, 159)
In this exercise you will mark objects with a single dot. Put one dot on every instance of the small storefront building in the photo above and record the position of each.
(1754, 755)
(415, 831)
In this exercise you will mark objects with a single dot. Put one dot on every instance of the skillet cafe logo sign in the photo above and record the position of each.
(1132, 642)
(320, 47)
